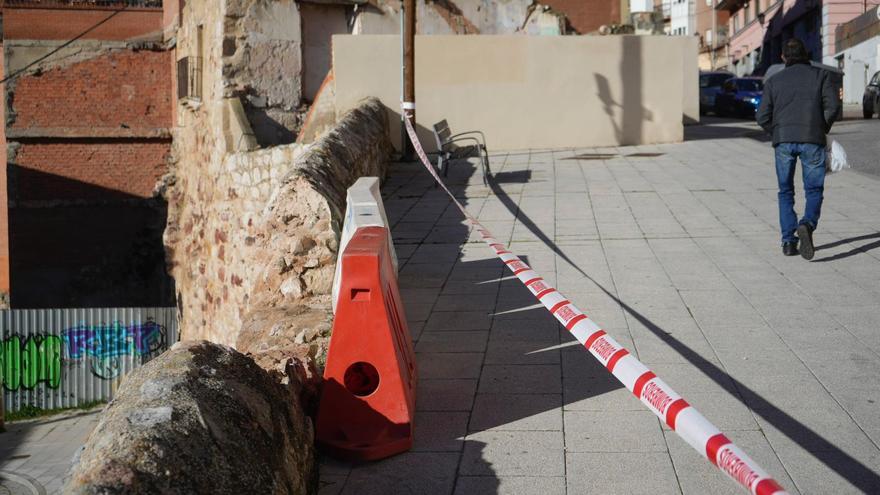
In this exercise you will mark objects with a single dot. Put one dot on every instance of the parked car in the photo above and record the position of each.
(836, 80)
(739, 96)
(710, 86)
(871, 98)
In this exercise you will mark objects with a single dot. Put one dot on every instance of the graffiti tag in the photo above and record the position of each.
(104, 344)
(29, 363)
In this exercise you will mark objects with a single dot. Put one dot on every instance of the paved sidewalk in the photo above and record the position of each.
(674, 249)
(39, 452)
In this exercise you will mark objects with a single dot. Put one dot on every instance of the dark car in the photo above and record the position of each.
(710, 86)
(740, 96)
(871, 98)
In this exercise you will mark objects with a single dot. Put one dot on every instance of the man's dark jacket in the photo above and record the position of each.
(799, 105)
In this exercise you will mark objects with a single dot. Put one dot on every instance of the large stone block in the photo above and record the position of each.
(201, 418)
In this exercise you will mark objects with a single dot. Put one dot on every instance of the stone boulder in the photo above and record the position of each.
(200, 418)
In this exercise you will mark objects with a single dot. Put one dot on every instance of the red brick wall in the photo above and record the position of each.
(71, 170)
(121, 88)
(64, 24)
(90, 139)
(586, 16)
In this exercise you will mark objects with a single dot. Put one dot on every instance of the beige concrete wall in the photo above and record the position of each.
(691, 81)
(528, 92)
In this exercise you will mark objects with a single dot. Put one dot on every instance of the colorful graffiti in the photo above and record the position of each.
(38, 358)
(103, 345)
(29, 363)
(62, 357)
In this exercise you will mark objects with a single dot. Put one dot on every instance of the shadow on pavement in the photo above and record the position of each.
(852, 252)
(490, 365)
(725, 128)
(849, 468)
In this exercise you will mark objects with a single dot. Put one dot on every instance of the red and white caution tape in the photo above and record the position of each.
(654, 393)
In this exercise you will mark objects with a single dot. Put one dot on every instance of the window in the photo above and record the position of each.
(189, 72)
(876, 79)
(709, 37)
(735, 18)
(748, 8)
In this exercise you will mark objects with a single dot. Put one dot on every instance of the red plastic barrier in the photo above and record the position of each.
(368, 398)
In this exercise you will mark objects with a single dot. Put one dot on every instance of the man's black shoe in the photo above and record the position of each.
(805, 235)
(789, 248)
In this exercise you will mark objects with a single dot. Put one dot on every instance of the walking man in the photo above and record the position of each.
(798, 108)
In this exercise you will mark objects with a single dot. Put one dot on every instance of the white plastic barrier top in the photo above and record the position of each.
(363, 208)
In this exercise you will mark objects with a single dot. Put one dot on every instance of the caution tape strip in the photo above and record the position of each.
(653, 392)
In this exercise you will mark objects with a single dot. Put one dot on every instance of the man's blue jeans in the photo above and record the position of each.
(813, 162)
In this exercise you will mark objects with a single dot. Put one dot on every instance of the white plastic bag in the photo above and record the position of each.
(836, 160)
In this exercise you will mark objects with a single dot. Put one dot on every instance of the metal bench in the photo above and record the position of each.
(449, 148)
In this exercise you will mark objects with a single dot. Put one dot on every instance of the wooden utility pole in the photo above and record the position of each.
(409, 70)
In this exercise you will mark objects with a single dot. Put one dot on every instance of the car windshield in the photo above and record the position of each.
(749, 85)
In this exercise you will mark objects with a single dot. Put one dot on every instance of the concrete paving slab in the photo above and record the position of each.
(520, 379)
(620, 473)
(404, 474)
(510, 485)
(518, 352)
(600, 431)
(445, 394)
(516, 412)
(514, 453)
(446, 321)
(434, 365)
(464, 341)
(440, 431)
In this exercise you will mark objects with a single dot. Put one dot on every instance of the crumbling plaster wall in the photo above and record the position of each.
(463, 17)
(262, 63)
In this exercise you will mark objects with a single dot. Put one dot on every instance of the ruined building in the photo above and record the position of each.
(97, 92)
(87, 123)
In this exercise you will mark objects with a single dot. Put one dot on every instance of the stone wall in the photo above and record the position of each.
(264, 235)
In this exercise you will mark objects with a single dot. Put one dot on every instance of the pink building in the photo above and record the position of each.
(758, 28)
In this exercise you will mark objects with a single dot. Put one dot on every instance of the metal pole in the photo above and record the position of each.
(714, 34)
(403, 138)
(409, 69)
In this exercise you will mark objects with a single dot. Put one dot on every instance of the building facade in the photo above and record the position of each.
(87, 126)
(858, 45)
(759, 28)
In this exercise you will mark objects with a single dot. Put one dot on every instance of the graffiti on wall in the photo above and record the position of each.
(26, 362)
(103, 345)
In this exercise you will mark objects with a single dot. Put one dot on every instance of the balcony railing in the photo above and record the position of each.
(83, 4)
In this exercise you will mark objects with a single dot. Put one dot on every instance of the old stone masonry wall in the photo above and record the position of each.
(262, 246)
